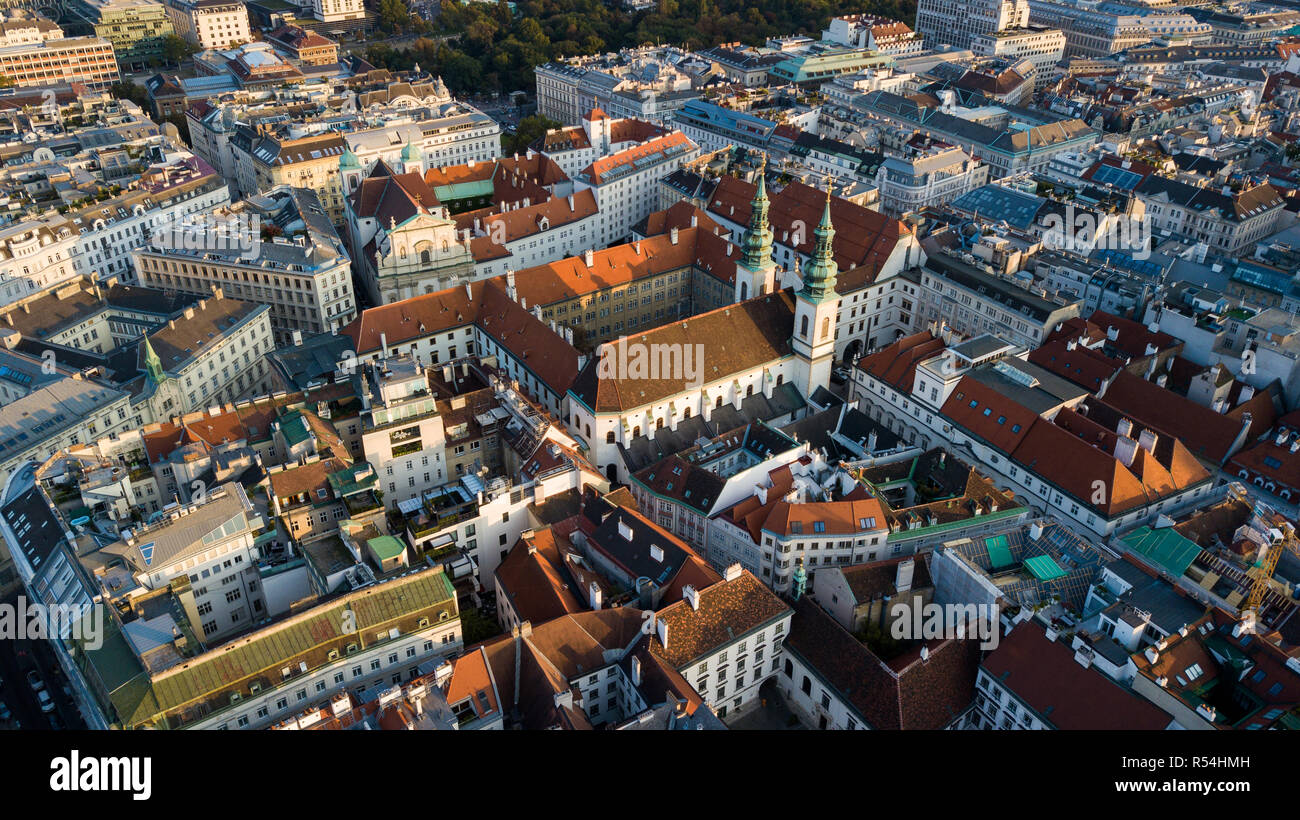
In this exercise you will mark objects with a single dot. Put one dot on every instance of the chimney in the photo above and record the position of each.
(1124, 428)
(383, 343)
(661, 628)
(636, 670)
(692, 596)
(1112, 333)
(624, 531)
(732, 573)
(1147, 441)
(672, 236)
(903, 576)
(761, 492)
(589, 257)
(572, 207)
(1125, 450)
(594, 596)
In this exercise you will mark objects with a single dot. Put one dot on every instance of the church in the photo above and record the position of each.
(763, 358)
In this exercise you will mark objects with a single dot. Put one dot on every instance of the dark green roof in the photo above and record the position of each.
(1164, 547)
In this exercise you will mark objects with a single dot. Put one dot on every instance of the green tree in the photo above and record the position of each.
(528, 131)
(394, 16)
(177, 49)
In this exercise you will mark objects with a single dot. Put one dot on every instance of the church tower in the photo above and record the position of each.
(153, 365)
(412, 161)
(755, 271)
(816, 308)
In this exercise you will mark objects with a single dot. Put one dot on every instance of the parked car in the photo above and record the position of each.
(47, 702)
(56, 722)
(34, 681)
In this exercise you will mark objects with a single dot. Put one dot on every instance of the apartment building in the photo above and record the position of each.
(958, 22)
(210, 24)
(403, 434)
(20, 27)
(1042, 46)
(725, 639)
(301, 273)
(35, 255)
(266, 162)
(971, 300)
(89, 60)
(137, 29)
(111, 230)
(929, 177)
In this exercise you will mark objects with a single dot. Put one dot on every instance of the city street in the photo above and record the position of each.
(17, 658)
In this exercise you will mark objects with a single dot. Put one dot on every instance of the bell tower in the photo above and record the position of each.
(755, 271)
(816, 309)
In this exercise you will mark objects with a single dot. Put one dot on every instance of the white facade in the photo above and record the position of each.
(35, 255)
(210, 24)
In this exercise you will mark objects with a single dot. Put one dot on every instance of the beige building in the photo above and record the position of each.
(310, 162)
(302, 274)
(210, 23)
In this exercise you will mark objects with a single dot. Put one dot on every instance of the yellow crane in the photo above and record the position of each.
(1261, 572)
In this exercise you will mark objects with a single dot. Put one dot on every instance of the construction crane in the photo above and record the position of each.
(1283, 537)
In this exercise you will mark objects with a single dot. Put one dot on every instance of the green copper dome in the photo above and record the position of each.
(348, 161)
(411, 153)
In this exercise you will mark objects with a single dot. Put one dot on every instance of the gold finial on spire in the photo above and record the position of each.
(828, 189)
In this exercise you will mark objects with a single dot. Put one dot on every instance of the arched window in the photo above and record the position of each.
(636, 431)
(718, 403)
(803, 327)
(780, 379)
(744, 291)
(686, 413)
(806, 686)
(609, 437)
(826, 327)
(424, 256)
(749, 391)
(659, 424)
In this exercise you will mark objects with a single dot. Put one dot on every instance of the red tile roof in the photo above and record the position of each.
(907, 693)
(1045, 676)
(864, 239)
(896, 364)
(1209, 435)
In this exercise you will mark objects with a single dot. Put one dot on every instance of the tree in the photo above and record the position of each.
(130, 91)
(394, 16)
(529, 130)
(177, 49)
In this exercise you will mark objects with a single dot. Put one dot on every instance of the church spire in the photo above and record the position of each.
(756, 244)
(819, 274)
(153, 365)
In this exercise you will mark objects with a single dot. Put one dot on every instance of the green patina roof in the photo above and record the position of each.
(386, 546)
(1044, 568)
(209, 680)
(1163, 546)
(346, 481)
(999, 552)
(294, 427)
